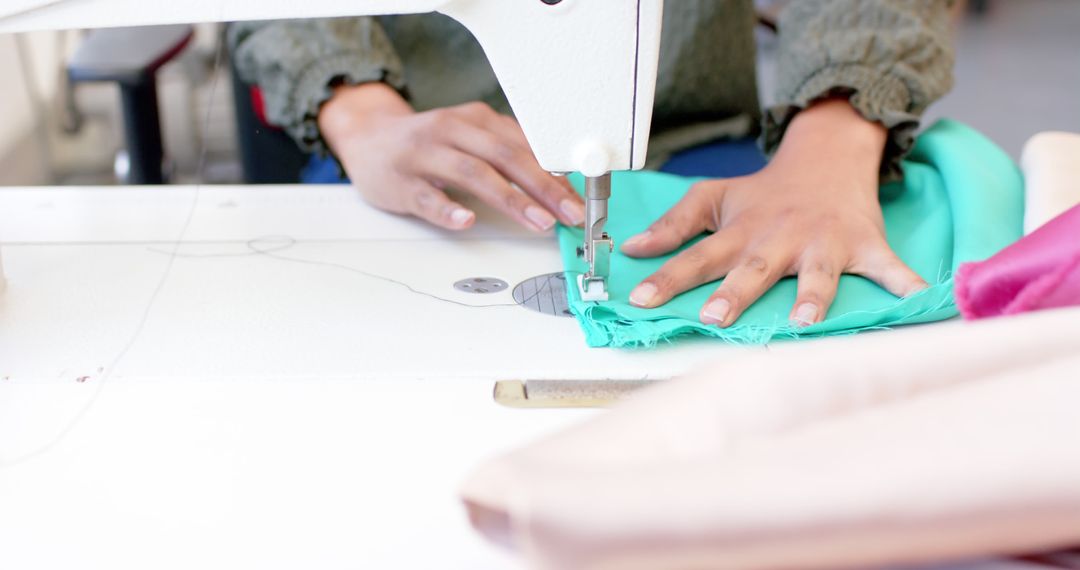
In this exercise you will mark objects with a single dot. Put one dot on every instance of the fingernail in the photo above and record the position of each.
(540, 218)
(461, 217)
(806, 314)
(716, 312)
(643, 295)
(573, 211)
(638, 239)
(918, 288)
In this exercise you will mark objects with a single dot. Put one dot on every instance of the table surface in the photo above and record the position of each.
(248, 411)
(225, 409)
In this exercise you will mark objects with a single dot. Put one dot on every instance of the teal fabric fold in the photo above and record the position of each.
(961, 200)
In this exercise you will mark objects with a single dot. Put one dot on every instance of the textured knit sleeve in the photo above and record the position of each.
(296, 64)
(891, 57)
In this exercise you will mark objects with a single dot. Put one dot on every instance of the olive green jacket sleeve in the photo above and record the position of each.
(892, 57)
(296, 63)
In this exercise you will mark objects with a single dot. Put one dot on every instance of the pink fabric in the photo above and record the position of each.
(1041, 271)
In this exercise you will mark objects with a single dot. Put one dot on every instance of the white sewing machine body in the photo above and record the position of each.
(579, 74)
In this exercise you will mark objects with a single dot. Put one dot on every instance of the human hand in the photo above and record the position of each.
(403, 161)
(812, 212)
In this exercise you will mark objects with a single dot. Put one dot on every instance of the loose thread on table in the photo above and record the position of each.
(284, 243)
(145, 316)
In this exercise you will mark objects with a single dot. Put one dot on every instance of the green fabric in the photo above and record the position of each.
(961, 200)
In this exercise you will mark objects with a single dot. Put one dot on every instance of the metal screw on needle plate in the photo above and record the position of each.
(481, 285)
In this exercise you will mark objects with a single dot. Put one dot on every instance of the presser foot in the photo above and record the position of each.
(597, 249)
(592, 289)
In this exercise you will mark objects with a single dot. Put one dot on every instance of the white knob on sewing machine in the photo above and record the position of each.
(593, 159)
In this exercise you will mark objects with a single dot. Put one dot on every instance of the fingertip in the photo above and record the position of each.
(716, 312)
(573, 212)
(539, 219)
(895, 276)
(805, 314)
(644, 295)
(915, 288)
(904, 283)
(461, 218)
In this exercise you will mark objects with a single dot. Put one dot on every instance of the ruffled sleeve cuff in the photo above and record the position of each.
(880, 98)
(315, 86)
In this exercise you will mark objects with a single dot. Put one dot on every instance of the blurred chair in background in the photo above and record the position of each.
(131, 57)
(268, 154)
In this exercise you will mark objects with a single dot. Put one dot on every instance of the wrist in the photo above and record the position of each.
(353, 108)
(833, 130)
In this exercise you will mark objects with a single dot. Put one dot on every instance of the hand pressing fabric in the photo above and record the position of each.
(403, 161)
(812, 212)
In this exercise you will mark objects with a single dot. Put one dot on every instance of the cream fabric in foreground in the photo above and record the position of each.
(935, 443)
(1051, 164)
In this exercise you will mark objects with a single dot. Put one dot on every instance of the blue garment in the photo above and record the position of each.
(720, 159)
(322, 170)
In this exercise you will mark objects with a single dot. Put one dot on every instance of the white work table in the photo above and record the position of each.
(267, 413)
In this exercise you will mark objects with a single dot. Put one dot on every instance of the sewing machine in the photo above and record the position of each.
(274, 414)
(579, 74)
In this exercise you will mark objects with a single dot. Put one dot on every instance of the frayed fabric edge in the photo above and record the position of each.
(605, 327)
